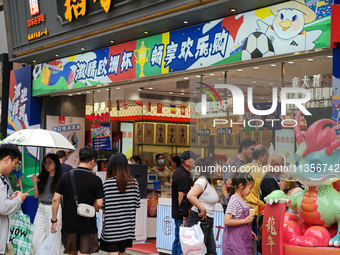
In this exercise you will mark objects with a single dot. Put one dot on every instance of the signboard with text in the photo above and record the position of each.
(101, 136)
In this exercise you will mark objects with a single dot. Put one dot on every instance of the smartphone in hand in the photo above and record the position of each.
(28, 191)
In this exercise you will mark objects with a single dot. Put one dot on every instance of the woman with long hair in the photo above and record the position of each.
(203, 197)
(121, 200)
(44, 188)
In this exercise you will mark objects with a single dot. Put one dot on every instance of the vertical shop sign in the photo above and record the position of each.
(101, 136)
(73, 129)
(34, 7)
(272, 232)
(127, 143)
(284, 143)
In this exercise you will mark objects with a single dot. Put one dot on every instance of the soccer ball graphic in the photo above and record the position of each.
(257, 45)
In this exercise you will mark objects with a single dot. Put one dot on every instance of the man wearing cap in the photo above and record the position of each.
(181, 184)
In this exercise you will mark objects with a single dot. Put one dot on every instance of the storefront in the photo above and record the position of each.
(146, 96)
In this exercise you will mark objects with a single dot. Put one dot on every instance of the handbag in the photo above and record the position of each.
(192, 240)
(9, 249)
(21, 233)
(84, 210)
(185, 205)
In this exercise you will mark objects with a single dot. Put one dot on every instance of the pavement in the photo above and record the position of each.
(128, 252)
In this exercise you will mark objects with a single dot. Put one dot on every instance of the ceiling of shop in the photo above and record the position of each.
(261, 76)
(204, 13)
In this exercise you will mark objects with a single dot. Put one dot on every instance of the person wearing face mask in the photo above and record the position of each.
(162, 171)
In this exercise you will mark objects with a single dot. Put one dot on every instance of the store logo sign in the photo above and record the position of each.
(34, 7)
(238, 100)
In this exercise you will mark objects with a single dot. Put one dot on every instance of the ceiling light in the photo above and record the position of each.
(261, 97)
(182, 93)
(57, 55)
(34, 61)
(240, 70)
(170, 92)
(256, 67)
(290, 62)
(139, 89)
(146, 32)
(82, 48)
(70, 95)
(310, 59)
(198, 76)
(107, 89)
(112, 41)
(221, 94)
(150, 88)
(212, 74)
(78, 93)
(186, 78)
(232, 9)
(182, 90)
(253, 82)
(329, 56)
(194, 92)
(118, 88)
(88, 92)
(273, 65)
(186, 22)
(270, 83)
(98, 90)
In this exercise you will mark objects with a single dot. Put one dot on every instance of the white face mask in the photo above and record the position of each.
(160, 162)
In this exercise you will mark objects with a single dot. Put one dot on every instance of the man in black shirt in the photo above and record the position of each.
(181, 184)
(79, 233)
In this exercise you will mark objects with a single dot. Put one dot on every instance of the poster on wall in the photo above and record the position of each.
(172, 134)
(254, 34)
(101, 136)
(193, 136)
(284, 143)
(160, 133)
(182, 134)
(73, 128)
(149, 133)
(127, 143)
(139, 133)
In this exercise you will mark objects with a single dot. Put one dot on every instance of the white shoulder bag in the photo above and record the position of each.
(84, 210)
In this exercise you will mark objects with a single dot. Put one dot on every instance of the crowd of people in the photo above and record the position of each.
(60, 198)
(245, 186)
(249, 177)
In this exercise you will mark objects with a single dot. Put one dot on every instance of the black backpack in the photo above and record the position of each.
(185, 206)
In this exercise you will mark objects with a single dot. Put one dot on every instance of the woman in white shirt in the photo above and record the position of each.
(203, 197)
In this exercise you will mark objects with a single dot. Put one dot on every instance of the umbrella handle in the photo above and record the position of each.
(36, 162)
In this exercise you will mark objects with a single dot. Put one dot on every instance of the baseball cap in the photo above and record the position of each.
(189, 154)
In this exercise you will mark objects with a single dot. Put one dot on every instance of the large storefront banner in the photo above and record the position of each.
(23, 113)
(280, 29)
(73, 128)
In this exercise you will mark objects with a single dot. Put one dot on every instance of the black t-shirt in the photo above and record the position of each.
(89, 188)
(268, 185)
(65, 167)
(181, 182)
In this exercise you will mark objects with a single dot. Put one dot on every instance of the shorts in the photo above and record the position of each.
(85, 243)
(115, 246)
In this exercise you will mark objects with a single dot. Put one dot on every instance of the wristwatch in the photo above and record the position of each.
(54, 221)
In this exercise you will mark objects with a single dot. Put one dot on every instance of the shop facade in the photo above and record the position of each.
(145, 95)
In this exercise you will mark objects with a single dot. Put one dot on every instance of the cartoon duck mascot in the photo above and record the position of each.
(286, 32)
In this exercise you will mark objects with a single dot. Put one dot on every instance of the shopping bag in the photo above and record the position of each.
(21, 233)
(192, 240)
(50, 246)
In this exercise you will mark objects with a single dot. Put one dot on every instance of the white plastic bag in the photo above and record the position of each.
(50, 246)
(192, 240)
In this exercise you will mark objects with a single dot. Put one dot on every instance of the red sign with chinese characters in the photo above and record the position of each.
(61, 119)
(272, 229)
(34, 7)
(36, 20)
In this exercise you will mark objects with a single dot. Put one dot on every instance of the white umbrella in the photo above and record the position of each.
(38, 138)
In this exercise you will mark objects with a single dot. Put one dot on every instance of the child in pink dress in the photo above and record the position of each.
(237, 234)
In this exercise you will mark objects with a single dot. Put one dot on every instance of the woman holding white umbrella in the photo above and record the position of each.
(45, 186)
